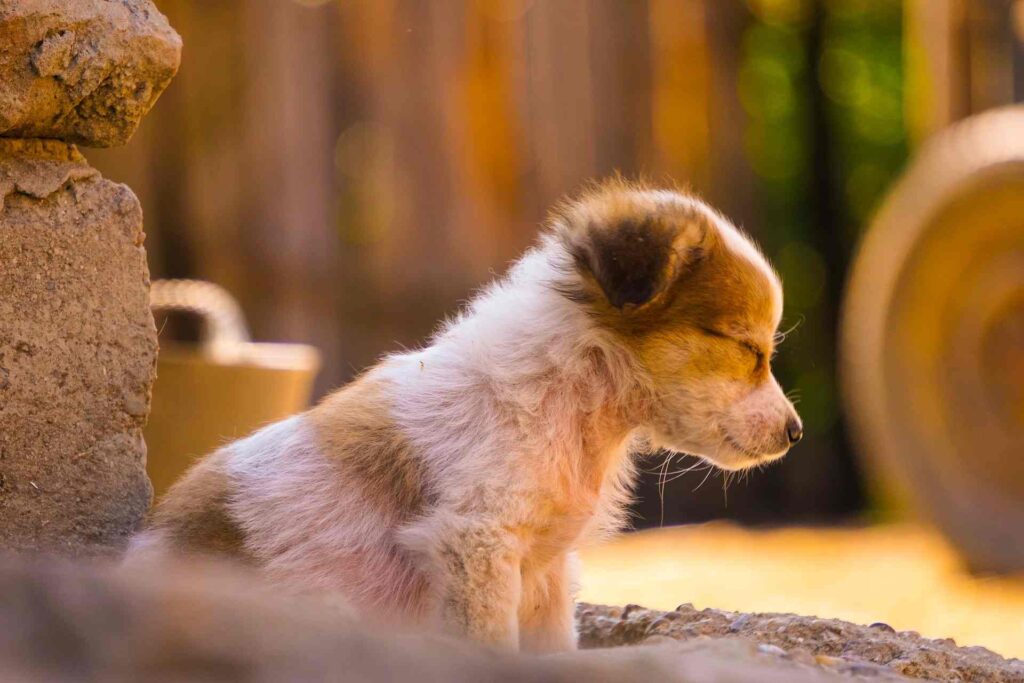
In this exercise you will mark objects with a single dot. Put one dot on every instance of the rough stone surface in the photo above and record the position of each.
(194, 623)
(836, 645)
(77, 353)
(83, 71)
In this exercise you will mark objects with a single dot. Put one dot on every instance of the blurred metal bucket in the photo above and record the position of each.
(933, 338)
(222, 388)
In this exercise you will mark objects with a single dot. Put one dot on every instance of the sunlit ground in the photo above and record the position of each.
(905, 576)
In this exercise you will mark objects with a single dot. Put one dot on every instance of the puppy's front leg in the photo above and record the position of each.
(547, 616)
(475, 572)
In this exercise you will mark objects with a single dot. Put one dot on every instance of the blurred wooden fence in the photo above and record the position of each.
(351, 170)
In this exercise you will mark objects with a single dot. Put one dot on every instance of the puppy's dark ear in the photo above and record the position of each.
(635, 260)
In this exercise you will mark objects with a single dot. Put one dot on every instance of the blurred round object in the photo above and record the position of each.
(219, 388)
(932, 338)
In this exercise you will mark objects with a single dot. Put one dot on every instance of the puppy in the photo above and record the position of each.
(450, 487)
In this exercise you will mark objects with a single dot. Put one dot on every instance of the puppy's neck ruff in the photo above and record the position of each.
(533, 370)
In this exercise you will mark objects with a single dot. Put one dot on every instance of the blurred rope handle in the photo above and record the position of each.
(222, 388)
(223, 330)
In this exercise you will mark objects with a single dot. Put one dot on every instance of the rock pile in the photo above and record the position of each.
(77, 341)
(839, 646)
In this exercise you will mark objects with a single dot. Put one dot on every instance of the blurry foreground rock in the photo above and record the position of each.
(77, 341)
(83, 71)
(199, 622)
(61, 622)
(839, 646)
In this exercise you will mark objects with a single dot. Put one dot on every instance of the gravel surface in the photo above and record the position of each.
(875, 650)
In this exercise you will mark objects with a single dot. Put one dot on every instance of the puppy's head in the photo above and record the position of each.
(697, 306)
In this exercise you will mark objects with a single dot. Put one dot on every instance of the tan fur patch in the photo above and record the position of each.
(194, 514)
(354, 427)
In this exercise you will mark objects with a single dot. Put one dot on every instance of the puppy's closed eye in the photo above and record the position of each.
(760, 358)
(756, 354)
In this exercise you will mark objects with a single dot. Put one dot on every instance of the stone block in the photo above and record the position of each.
(77, 353)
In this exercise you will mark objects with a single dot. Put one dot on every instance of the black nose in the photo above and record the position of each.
(794, 430)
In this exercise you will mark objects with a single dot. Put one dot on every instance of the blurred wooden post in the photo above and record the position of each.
(558, 99)
(962, 57)
(935, 69)
(732, 185)
(681, 73)
(621, 84)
